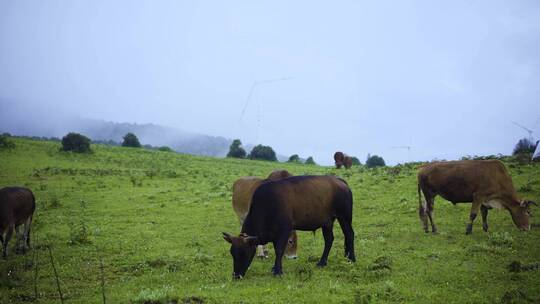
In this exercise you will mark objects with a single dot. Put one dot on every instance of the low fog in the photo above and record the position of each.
(308, 78)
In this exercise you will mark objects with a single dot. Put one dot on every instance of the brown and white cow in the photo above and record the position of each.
(342, 159)
(17, 207)
(299, 202)
(485, 183)
(243, 190)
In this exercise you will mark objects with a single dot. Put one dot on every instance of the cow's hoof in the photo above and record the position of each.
(321, 264)
(485, 227)
(435, 231)
(276, 272)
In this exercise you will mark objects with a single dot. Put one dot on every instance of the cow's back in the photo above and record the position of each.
(460, 181)
(243, 189)
(306, 201)
(16, 204)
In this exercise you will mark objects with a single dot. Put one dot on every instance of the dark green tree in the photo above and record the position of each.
(76, 142)
(165, 149)
(131, 140)
(524, 146)
(6, 142)
(374, 161)
(310, 161)
(355, 161)
(263, 153)
(294, 159)
(235, 150)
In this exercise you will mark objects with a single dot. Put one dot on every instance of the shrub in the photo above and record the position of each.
(310, 161)
(374, 161)
(76, 142)
(294, 159)
(235, 150)
(165, 149)
(355, 161)
(131, 140)
(524, 146)
(263, 153)
(6, 142)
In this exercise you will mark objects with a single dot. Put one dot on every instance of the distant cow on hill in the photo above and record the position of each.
(301, 203)
(243, 190)
(17, 207)
(485, 183)
(342, 159)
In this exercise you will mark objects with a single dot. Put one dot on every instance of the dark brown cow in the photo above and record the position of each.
(342, 159)
(243, 189)
(485, 183)
(17, 207)
(299, 202)
(338, 158)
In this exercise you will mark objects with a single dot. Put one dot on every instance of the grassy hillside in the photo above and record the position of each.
(155, 220)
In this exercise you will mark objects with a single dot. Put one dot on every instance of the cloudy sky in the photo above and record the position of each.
(444, 77)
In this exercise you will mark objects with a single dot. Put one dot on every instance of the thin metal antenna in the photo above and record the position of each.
(250, 95)
(404, 147)
(526, 129)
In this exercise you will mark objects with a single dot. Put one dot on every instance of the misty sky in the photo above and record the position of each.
(445, 77)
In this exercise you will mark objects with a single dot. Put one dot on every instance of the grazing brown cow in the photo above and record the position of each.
(342, 159)
(17, 207)
(243, 189)
(299, 202)
(485, 183)
(347, 162)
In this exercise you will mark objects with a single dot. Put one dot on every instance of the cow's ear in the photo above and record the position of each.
(227, 237)
(251, 240)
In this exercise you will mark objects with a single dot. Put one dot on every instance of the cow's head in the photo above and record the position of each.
(243, 249)
(520, 214)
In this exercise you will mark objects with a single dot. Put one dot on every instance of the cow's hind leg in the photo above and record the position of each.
(5, 241)
(484, 211)
(474, 212)
(262, 251)
(279, 248)
(19, 239)
(292, 246)
(26, 241)
(430, 207)
(348, 233)
(328, 235)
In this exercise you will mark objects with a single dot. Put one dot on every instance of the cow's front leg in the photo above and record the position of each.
(279, 248)
(474, 212)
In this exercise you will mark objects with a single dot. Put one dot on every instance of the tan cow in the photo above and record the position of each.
(17, 206)
(485, 183)
(243, 190)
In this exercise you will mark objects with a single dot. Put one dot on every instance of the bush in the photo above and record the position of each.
(165, 149)
(355, 161)
(6, 142)
(294, 159)
(374, 161)
(310, 161)
(235, 150)
(131, 140)
(263, 153)
(524, 146)
(76, 142)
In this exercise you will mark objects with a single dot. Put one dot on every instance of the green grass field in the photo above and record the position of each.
(155, 220)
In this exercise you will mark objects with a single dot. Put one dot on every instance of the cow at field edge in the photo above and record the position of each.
(301, 203)
(243, 189)
(338, 159)
(17, 207)
(485, 183)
